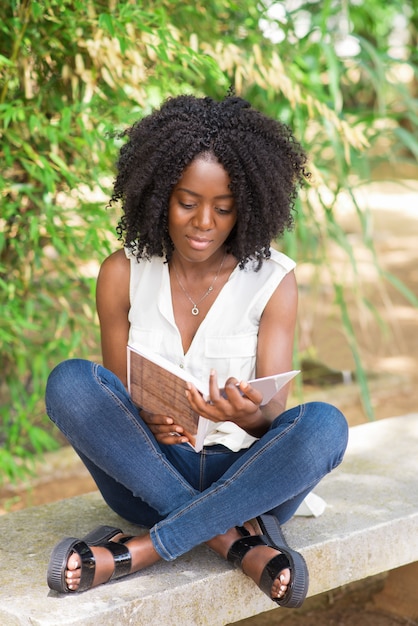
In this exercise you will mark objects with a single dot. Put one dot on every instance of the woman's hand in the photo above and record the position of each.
(164, 429)
(238, 402)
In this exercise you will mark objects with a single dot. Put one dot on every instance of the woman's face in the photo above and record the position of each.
(201, 211)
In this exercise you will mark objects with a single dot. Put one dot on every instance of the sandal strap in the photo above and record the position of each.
(125, 539)
(240, 548)
(122, 558)
(243, 531)
(88, 565)
(101, 535)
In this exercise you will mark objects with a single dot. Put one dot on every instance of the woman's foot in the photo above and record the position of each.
(142, 555)
(255, 560)
(79, 565)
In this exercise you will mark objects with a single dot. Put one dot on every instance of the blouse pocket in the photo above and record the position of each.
(147, 338)
(233, 355)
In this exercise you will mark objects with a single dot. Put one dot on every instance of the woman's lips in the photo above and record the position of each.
(199, 244)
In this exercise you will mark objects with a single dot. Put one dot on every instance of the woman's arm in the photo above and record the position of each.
(112, 299)
(113, 305)
(274, 355)
(276, 340)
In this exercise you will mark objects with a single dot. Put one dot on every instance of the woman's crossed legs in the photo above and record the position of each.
(94, 411)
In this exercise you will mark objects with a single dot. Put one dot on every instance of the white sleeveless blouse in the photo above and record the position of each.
(226, 340)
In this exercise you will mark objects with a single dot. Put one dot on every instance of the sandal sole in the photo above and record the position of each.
(296, 593)
(57, 565)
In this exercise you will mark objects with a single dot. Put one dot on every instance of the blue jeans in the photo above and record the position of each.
(185, 497)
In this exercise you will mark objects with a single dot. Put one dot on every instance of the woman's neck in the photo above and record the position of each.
(194, 271)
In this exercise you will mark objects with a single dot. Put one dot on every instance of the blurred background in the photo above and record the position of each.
(342, 74)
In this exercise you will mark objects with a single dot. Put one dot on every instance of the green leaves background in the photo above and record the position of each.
(343, 75)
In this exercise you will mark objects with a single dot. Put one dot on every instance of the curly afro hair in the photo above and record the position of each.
(265, 163)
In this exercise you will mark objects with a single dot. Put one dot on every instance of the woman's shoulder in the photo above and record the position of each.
(114, 270)
(279, 258)
(116, 262)
(113, 283)
(276, 263)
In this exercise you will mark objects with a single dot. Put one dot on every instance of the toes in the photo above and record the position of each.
(72, 579)
(280, 585)
(73, 575)
(285, 577)
(73, 562)
(73, 572)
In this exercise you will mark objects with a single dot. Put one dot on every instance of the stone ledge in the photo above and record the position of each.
(370, 526)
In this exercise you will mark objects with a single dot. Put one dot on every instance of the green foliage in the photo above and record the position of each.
(72, 73)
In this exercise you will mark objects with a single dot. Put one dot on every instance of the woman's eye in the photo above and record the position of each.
(224, 211)
(186, 206)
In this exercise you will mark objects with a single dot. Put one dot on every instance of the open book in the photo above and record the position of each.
(159, 386)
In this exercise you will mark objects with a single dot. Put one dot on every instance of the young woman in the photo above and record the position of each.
(205, 187)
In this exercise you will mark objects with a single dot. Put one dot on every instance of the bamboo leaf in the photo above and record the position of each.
(106, 23)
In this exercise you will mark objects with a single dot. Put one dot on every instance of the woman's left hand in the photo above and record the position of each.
(238, 402)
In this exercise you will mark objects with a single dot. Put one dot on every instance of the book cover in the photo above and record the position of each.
(159, 386)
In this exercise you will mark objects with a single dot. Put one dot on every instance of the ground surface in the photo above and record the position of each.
(390, 355)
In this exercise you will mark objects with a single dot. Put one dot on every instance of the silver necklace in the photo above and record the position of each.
(195, 310)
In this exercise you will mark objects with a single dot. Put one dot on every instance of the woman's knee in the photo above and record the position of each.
(333, 427)
(66, 383)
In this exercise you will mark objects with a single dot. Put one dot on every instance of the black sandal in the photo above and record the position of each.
(287, 559)
(101, 536)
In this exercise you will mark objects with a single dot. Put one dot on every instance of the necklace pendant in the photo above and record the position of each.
(195, 310)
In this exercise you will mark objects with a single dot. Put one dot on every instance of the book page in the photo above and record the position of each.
(270, 385)
(159, 386)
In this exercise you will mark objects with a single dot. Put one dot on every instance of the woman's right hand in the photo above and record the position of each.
(164, 429)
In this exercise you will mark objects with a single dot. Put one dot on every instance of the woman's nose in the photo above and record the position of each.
(203, 218)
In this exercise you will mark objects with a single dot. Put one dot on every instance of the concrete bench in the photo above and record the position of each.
(370, 526)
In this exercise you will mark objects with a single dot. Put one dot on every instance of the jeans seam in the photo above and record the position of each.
(202, 468)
